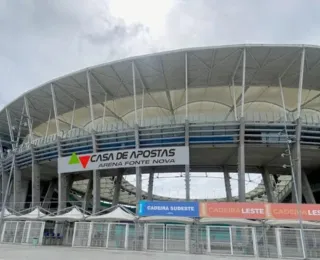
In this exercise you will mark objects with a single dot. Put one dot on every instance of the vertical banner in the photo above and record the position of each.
(169, 208)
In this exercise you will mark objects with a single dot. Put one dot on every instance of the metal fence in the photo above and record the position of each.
(23, 232)
(261, 241)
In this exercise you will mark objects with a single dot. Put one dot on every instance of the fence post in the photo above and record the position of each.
(145, 237)
(108, 236)
(90, 234)
(126, 237)
(74, 233)
(231, 240)
(208, 239)
(254, 241)
(187, 238)
(3, 231)
(278, 241)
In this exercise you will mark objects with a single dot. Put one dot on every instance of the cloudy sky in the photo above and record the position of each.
(42, 39)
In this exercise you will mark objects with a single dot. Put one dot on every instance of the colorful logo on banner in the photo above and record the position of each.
(162, 156)
(83, 159)
(169, 208)
(260, 211)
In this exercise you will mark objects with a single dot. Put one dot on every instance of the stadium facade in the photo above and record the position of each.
(244, 109)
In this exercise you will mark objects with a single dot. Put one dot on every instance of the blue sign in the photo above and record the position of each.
(169, 208)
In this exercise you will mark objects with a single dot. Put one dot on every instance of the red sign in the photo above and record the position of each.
(232, 210)
(291, 211)
(260, 210)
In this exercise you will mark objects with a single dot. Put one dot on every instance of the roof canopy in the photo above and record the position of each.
(117, 214)
(6, 213)
(35, 214)
(214, 80)
(73, 215)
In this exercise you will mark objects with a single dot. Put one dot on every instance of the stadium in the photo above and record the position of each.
(89, 139)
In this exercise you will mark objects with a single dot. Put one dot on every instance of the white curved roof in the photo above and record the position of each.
(214, 79)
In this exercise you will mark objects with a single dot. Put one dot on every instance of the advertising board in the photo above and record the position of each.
(276, 211)
(169, 208)
(161, 156)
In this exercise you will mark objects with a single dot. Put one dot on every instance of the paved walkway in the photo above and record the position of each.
(19, 252)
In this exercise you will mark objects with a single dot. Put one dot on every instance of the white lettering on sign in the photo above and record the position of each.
(124, 159)
(171, 208)
(314, 212)
(252, 211)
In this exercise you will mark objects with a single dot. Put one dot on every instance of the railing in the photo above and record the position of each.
(204, 129)
(181, 238)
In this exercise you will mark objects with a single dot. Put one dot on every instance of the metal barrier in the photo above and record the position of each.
(262, 241)
(23, 232)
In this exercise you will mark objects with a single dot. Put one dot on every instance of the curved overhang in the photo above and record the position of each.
(214, 81)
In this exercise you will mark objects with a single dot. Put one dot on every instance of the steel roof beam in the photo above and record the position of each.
(167, 89)
(145, 86)
(213, 58)
(103, 88)
(234, 107)
(122, 83)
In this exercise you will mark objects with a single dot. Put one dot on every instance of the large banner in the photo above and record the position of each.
(277, 211)
(124, 159)
(169, 208)
(232, 210)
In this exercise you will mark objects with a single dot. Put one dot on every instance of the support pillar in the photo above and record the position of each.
(138, 171)
(150, 186)
(268, 185)
(96, 191)
(48, 197)
(62, 192)
(4, 183)
(306, 189)
(88, 195)
(227, 183)
(187, 167)
(296, 163)
(17, 189)
(241, 163)
(117, 189)
(35, 184)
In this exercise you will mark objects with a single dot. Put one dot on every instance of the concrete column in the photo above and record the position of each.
(17, 188)
(4, 183)
(48, 197)
(35, 184)
(227, 183)
(268, 185)
(241, 163)
(96, 191)
(117, 189)
(138, 171)
(296, 161)
(62, 191)
(88, 195)
(187, 167)
(150, 185)
(306, 189)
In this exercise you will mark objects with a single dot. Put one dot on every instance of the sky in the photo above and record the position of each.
(42, 39)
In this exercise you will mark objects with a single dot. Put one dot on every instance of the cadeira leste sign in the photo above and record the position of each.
(124, 159)
(276, 211)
